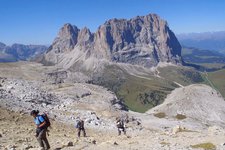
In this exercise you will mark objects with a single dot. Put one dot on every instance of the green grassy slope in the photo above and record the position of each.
(217, 78)
(142, 93)
(208, 60)
(182, 75)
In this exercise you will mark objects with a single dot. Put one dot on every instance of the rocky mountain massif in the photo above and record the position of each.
(131, 49)
(143, 40)
(18, 52)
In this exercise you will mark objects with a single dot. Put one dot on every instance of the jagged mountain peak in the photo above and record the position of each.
(85, 32)
(147, 17)
(85, 37)
(66, 39)
(68, 29)
(142, 40)
(86, 29)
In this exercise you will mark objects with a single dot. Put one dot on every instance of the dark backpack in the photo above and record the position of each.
(120, 124)
(48, 123)
(80, 124)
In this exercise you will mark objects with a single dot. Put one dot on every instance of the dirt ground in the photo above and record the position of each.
(17, 132)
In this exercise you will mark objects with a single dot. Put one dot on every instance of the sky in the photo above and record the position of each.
(38, 21)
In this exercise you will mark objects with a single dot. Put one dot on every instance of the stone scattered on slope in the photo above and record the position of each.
(198, 102)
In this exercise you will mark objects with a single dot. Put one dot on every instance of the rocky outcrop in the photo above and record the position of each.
(143, 40)
(94, 104)
(70, 44)
(197, 102)
(66, 39)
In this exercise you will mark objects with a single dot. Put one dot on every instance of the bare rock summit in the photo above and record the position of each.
(143, 40)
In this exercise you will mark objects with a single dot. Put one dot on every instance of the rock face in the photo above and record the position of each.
(66, 39)
(143, 40)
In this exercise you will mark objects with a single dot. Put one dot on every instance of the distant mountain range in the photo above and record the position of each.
(18, 52)
(205, 41)
(194, 55)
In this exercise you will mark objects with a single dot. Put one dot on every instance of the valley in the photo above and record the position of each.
(203, 60)
(100, 108)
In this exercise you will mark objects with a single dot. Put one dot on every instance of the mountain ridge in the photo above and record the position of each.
(17, 52)
(205, 40)
(142, 40)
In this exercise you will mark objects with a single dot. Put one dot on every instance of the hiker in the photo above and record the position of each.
(80, 127)
(121, 126)
(42, 125)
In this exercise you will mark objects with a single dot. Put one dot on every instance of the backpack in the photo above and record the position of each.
(80, 124)
(77, 124)
(45, 116)
(120, 124)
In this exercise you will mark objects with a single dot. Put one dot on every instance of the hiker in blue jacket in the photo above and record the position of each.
(41, 129)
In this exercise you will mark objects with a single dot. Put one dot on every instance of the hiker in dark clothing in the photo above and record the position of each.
(121, 126)
(40, 130)
(80, 127)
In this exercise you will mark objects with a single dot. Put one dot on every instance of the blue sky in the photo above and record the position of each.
(38, 21)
